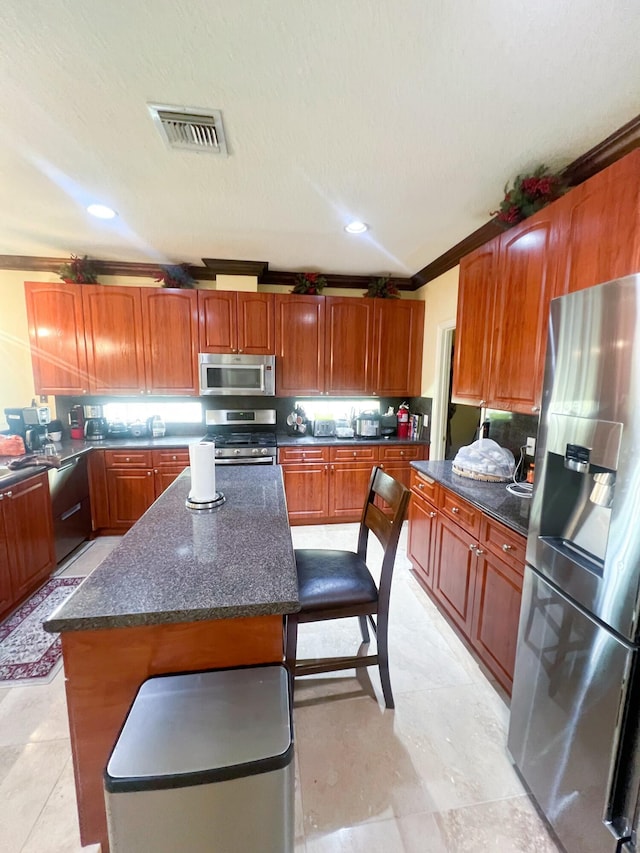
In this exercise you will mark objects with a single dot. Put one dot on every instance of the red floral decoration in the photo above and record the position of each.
(309, 282)
(529, 194)
(78, 271)
(382, 288)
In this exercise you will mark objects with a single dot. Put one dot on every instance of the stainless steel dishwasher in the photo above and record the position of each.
(69, 487)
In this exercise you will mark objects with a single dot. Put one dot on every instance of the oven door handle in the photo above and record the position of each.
(246, 460)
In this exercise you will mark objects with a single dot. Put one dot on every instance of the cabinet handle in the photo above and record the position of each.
(455, 510)
(421, 486)
(84, 390)
(143, 391)
(1, 496)
(155, 471)
(333, 469)
(326, 468)
(472, 546)
(432, 514)
(381, 466)
(535, 409)
(402, 453)
(479, 551)
(149, 473)
(354, 454)
(506, 547)
(8, 494)
(483, 403)
(174, 457)
(127, 459)
(240, 350)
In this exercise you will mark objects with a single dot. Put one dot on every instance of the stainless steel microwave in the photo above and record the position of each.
(237, 374)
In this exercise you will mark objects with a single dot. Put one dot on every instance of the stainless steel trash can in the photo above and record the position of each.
(204, 762)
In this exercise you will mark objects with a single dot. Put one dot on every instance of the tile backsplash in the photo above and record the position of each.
(511, 430)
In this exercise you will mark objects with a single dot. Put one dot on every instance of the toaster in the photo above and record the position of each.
(324, 428)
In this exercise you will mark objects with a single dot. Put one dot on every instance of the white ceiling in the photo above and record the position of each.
(408, 114)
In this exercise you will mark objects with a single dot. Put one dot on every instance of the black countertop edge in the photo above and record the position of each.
(492, 498)
(176, 617)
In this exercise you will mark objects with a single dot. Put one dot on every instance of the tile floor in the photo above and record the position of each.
(432, 776)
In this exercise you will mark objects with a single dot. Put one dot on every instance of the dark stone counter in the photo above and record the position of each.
(491, 498)
(181, 565)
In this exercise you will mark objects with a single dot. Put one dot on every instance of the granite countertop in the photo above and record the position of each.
(285, 440)
(69, 448)
(491, 498)
(182, 565)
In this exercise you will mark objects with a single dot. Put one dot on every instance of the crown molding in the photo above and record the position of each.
(615, 146)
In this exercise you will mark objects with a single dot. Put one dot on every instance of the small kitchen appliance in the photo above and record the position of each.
(388, 425)
(76, 422)
(242, 437)
(324, 428)
(93, 411)
(367, 425)
(237, 374)
(96, 429)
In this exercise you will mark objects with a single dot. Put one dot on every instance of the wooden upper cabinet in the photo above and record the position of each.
(397, 347)
(300, 344)
(217, 315)
(114, 338)
(474, 325)
(598, 227)
(56, 332)
(256, 326)
(236, 322)
(349, 345)
(170, 321)
(524, 286)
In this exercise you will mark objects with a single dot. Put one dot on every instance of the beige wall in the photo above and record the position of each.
(441, 299)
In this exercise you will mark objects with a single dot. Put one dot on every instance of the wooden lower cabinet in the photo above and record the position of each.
(472, 566)
(455, 572)
(27, 553)
(124, 483)
(329, 484)
(422, 524)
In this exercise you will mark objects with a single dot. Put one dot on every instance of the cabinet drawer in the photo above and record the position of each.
(303, 454)
(424, 486)
(124, 458)
(399, 453)
(458, 510)
(503, 542)
(363, 453)
(172, 457)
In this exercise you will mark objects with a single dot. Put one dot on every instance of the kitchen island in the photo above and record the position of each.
(185, 590)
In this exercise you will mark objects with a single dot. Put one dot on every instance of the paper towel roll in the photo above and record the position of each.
(202, 458)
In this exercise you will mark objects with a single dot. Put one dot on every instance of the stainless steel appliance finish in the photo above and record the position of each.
(367, 425)
(69, 489)
(252, 375)
(96, 429)
(241, 437)
(96, 411)
(575, 721)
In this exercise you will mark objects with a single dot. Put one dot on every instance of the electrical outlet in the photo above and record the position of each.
(530, 449)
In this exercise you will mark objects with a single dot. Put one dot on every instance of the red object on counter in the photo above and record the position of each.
(403, 421)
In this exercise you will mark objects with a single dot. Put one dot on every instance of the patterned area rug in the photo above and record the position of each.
(28, 655)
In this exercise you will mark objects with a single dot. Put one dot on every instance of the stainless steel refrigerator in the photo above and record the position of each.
(575, 709)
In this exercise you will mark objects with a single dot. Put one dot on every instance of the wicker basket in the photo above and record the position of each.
(475, 475)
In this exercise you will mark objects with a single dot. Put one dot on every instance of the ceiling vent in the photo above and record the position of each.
(190, 128)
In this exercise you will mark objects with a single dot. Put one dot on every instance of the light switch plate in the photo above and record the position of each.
(530, 449)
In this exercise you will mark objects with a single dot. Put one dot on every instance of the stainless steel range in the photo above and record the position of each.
(242, 436)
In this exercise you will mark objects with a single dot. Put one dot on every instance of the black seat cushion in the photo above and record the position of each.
(329, 579)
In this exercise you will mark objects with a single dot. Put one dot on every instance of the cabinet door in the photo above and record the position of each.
(300, 338)
(598, 226)
(27, 507)
(171, 340)
(256, 324)
(56, 333)
(496, 611)
(163, 477)
(397, 347)
(6, 589)
(474, 325)
(306, 486)
(454, 580)
(131, 493)
(348, 483)
(524, 287)
(115, 348)
(349, 345)
(217, 319)
(422, 522)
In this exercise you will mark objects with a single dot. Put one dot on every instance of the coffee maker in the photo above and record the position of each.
(95, 424)
(31, 423)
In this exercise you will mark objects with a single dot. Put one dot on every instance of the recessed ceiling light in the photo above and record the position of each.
(356, 227)
(101, 211)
